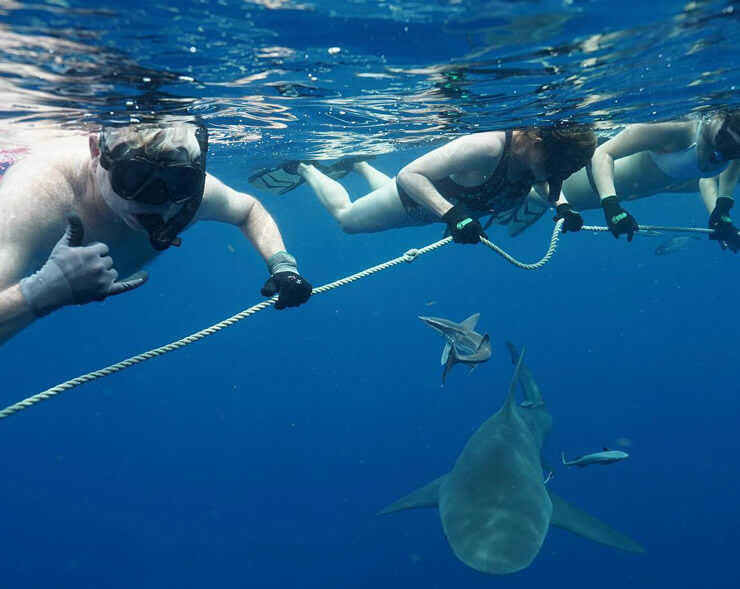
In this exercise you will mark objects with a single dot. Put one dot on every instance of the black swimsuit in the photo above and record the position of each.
(497, 196)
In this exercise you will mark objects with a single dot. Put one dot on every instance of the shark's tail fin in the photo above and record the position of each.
(569, 517)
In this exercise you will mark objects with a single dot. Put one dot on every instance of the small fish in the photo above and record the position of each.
(463, 345)
(674, 244)
(605, 457)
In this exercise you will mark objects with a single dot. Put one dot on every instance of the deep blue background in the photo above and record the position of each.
(259, 456)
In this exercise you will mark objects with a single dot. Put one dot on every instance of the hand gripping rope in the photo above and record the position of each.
(409, 256)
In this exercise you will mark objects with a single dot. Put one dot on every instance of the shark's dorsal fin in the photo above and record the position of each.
(568, 517)
(529, 387)
(426, 496)
(511, 395)
(471, 322)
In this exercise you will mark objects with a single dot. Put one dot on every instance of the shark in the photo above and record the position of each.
(463, 345)
(605, 457)
(494, 506)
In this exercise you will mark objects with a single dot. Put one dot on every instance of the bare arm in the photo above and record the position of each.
(472, 153)
(633, 139)
(225, 205)
(20, 235)
(15, 314)
(723, 185)
(221, 203)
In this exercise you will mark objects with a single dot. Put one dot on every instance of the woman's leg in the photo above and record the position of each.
(374, 178)
(380, 210)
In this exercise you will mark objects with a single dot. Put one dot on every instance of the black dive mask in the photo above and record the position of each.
(142, 179)
(727, 147)
(138, 177)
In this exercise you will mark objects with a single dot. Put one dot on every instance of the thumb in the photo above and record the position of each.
(128, 283)
(75, 231)
(270, 288)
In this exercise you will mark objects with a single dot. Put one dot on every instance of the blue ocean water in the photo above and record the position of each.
(259, 456)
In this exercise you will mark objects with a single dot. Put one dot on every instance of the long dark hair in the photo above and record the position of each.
(569, 146)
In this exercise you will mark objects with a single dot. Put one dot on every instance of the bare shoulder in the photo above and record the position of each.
(37, 192)
(668, 136)
(485, 144)
(56, 171)
(476, 149)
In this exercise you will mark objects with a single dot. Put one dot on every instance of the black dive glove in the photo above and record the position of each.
(618, 220)
(293, 289)
(572, 220)
(724, 231)
(464, 227)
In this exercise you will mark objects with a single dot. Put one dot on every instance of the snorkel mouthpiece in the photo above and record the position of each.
(159, 237)
(163, 234)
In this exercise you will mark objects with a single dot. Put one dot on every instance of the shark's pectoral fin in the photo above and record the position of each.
(446, 353)
(569, 517)
(426, 496)
(451, 361)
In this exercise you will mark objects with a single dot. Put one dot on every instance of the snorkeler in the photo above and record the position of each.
(481, 174)
(652, 158)
(131, 191)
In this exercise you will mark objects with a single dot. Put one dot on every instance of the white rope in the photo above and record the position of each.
(546, 258)
(654, 228)
(409, 256)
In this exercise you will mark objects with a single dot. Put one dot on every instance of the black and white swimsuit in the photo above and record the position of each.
(498, 195)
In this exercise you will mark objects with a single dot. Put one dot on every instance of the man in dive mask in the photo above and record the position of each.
(124, 197)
